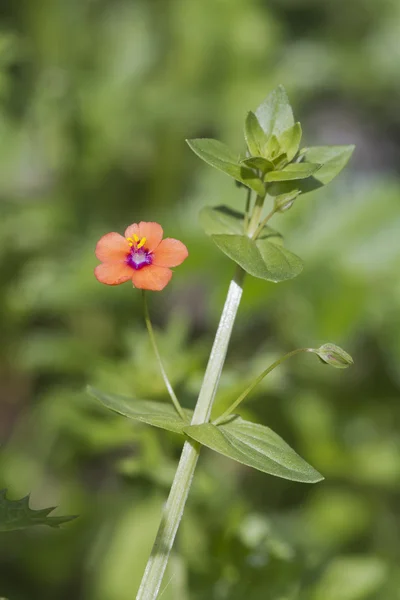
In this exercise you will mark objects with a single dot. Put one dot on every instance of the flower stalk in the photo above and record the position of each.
(175, 505)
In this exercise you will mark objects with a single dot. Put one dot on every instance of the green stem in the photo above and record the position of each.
(168, 385)
(263, 224)
(175, 505)
(247, 210)
(251, 387)
(255, 217)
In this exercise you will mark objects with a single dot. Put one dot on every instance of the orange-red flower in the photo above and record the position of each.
(141, 256)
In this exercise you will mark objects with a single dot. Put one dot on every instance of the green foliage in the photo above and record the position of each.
(224, 220)
(16, 514)
(218, 155)
(256, 446)
(261, 258)
(275, 114)
(92, 139)
(153, 413)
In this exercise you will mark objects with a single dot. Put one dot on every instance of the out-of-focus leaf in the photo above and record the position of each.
(218, 155)
(290, 141)
(275, 113)
(224, 220)
(16, 514)
(254, 135)
(153, 413)
(256, 446)
(351, 578)
(262, 258)
(293, 172)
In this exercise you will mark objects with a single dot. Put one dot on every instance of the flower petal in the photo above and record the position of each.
(132, 230)
(151, 278)
(153, 233)
(112, 246)
(113, 273)
(170, 253)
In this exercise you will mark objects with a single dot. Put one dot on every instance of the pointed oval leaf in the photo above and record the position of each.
(280, 262)
(16, 514)
(258, 162)
(290, 141)
(254, 134)
(260, 258)
(225, 220)
(218, 155)
(332, 159)
(153, 413)
(293, 171)
(256, 446)
(275, 113)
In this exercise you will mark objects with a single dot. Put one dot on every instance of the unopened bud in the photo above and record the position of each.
(334, 356)
(285, 201)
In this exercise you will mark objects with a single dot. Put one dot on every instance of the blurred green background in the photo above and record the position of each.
(96, 100)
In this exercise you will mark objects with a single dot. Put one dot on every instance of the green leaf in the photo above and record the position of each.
(256, 446)
(221, 157)
(275, 113)
(258, 162)
(224, 220)
(332, 159)
(293, 171)
(280, 262)
(254, 135)
(290, 140)
(16, 514)
(261, 258)
(153, 413)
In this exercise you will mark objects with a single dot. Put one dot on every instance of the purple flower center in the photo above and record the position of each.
(138, 258)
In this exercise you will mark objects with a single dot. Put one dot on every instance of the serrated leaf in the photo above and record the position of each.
(256, 446)
(332, 159)
(275, 113)
(153, 413)
(224, 220)
(16, 514)
(218, 155)
(290, 140)
(293, 171)
(260, 258)
(254, 135)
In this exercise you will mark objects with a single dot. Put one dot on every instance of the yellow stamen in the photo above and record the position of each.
(141, 243)
(136, 241)
(135, 237)
(130, 241)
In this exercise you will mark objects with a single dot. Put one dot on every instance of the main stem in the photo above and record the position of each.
(174, 507)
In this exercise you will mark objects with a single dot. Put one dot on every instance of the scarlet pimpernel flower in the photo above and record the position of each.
(142, 256)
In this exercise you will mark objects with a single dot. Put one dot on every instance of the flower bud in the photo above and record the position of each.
(332, 355)
(285, 201)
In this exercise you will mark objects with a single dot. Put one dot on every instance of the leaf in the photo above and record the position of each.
(224, 220)
(281, 263)
(254, 135)
(332, 159)
(153, 413)
(290, 140)
(261, 258)
(293, 171)
(16, 514)
(256, 446)
(258, 162)
(221, 157)
(275, 113)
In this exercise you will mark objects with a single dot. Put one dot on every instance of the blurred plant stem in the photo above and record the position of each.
(173, 510)
(168, 385)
